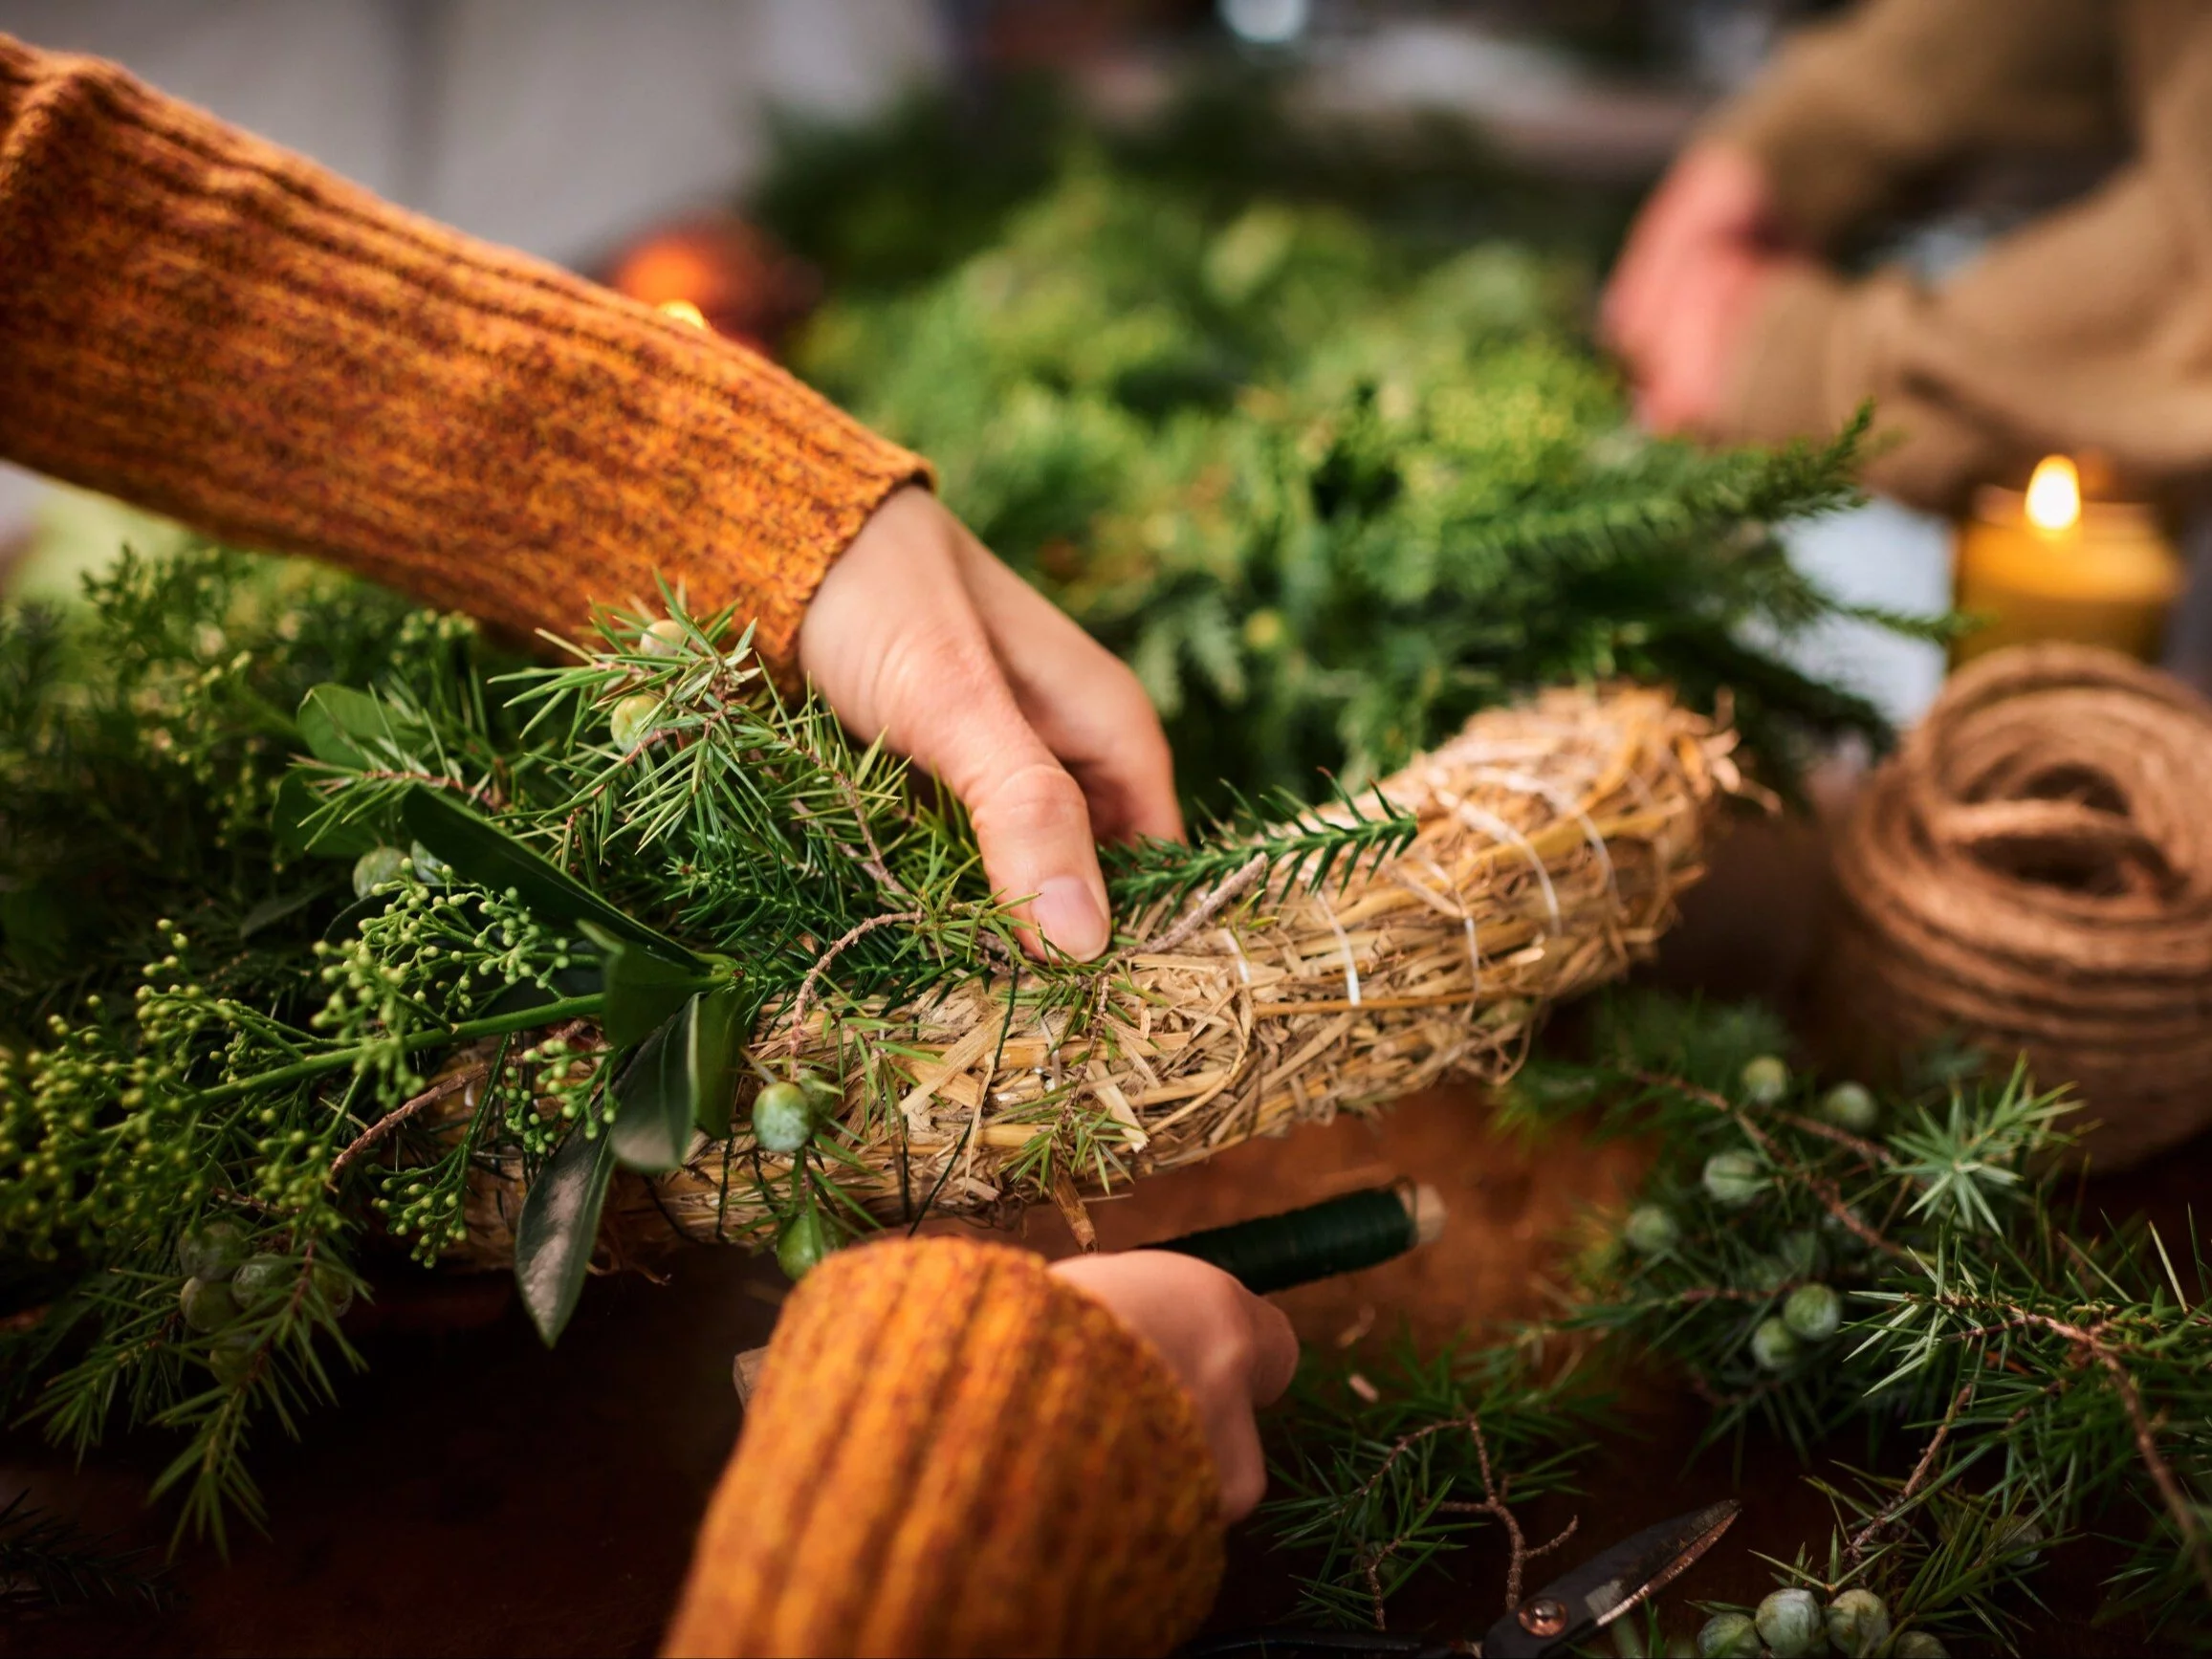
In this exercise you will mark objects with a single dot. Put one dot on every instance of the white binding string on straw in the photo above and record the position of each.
(1351, 973)
(1466, 921)
(1503, 833)
(1564, 805)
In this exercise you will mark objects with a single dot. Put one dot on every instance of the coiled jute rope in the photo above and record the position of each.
(2032, 872)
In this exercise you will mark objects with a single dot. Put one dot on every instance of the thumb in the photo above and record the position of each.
(959, 720)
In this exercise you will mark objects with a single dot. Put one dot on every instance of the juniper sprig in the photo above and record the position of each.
(1822, 1260)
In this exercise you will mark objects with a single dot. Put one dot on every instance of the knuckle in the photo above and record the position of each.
(929, 671)
(1038, 797)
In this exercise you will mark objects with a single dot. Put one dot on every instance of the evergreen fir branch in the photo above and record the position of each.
(1287, 840)
(2056, 1371)
(1327, 499)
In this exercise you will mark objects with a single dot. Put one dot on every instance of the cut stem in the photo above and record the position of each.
(467, 1030)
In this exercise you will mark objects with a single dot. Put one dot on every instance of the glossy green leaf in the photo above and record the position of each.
(481, 852)
(289, 820)
(717, 1055)
(336, 722)
(685, 1076)
(653, 1121)
(559, 1228)
(642, 990)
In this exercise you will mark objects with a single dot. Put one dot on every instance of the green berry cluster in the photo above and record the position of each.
(1791, 1624)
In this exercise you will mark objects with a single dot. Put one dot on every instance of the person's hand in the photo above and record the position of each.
(1232, 1350)
(1697, 261)
(920, 636)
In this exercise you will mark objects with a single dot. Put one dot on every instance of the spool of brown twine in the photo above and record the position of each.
(2032, 872)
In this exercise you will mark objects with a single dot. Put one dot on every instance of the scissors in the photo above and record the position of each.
(1570, 1610)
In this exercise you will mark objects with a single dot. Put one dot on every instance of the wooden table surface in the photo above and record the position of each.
(473, 1494)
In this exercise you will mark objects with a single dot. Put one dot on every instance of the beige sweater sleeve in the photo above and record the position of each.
(2090, 330)
(1854, 109)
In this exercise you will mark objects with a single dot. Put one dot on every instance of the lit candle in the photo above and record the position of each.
(2045, 566)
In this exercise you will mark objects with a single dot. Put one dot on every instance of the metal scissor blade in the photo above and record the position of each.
(1576, 1606)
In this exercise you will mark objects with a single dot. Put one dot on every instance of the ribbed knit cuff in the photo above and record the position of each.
(951, 1451)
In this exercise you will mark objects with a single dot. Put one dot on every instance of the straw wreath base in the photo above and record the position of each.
(1554, 836)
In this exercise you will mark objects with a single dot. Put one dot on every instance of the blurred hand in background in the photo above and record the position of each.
(1698, 263)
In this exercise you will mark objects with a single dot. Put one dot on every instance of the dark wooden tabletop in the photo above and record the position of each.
(474, 1494)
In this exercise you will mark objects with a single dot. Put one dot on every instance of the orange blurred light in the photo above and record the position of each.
(2054, 494)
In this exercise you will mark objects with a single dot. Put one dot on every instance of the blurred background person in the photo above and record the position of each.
(2085, 330)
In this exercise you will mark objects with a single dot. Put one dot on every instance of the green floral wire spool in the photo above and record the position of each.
(1342, 1234)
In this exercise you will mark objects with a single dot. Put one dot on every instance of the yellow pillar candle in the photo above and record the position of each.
(2045, 566)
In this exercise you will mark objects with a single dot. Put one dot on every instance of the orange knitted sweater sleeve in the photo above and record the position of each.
(203, 324)
(950, 1451)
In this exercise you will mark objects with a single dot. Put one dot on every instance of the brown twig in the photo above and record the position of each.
(450, 1084)
(2143, 1426)
(822, 966)
(1823, 1188)
(484, 798)
(1889, 1512)
(1877, 1156)
(1722, 1293)
(871, 861)
(1492, 1504)
(1233, 886)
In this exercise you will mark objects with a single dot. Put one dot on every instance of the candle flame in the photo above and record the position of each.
(2054, 494)
(683, 311)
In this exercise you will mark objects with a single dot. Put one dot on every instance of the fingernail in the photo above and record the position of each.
(1068, 914)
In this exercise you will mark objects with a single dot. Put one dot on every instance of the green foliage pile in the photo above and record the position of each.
(882, 206)
(1904, 1274)
(1326, 497)
(276, 853)
(230, 954)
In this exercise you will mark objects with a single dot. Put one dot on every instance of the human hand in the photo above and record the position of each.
(1697, 261)
(1232, 1350)
(920, 636)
